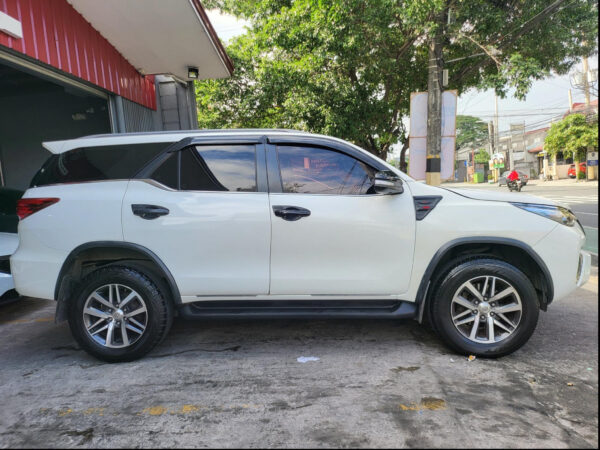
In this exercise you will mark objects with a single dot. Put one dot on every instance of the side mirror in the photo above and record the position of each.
(388, 183)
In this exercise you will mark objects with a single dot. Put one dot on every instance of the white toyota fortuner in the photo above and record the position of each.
(125, 231)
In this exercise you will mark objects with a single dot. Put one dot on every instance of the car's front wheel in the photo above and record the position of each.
(119, 314)
(484, 307)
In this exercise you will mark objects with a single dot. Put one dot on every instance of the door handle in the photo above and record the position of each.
(290, 213)
(149, 212)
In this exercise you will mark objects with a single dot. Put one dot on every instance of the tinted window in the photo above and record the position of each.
(96, 163)
(166, 173)
(219, 168)
(310, 170)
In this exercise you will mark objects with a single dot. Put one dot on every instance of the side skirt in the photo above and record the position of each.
(300, 309)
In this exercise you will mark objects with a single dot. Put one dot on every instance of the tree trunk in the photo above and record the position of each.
(403, 165)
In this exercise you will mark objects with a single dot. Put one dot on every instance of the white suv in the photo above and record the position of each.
(125, 231)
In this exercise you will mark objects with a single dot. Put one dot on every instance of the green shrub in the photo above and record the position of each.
(581, 175)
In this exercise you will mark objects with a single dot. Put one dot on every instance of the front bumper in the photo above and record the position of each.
(583, 271)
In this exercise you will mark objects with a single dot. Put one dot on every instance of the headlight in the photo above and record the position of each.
(556, 213)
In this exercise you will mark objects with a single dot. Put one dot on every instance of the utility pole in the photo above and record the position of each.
(493, 148)
(586, 90)
(434, 105)
(496, 129)
(570, 101)
(586, 84)
(496, 136)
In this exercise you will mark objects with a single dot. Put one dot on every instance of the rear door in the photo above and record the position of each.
(204, 211)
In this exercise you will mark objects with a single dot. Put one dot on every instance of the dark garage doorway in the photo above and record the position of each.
(34, 109)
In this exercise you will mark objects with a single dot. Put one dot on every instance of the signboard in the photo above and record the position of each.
(497, 161)
(418, 134)
(592, 158)
(10, 25)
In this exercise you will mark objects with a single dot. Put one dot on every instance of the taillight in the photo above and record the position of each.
(28, 206)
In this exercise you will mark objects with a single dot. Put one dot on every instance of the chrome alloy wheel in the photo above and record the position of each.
(486, 309)
(115, 316)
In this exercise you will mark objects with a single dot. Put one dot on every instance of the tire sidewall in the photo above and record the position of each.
(153, 300)
(441, 309)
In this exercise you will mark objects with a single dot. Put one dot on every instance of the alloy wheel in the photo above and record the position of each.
(115, 316)
(486, 309)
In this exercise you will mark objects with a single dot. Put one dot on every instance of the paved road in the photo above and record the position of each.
(239, 384)
(581, 197)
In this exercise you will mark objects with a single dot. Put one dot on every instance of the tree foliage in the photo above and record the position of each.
(572, 136)
(482, 156)
(470, 131)
(347, 67)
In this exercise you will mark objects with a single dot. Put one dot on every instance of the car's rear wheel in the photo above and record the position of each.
(119, 314)
(484, 307)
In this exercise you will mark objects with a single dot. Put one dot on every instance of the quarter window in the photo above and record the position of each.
(109, 162)
(312, 170)
(219, 168)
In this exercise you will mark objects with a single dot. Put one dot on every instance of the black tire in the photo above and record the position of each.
(158, 305)
(453, 277)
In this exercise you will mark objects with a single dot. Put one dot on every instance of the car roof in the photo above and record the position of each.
(98, 140)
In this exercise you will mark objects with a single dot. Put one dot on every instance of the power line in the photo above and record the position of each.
(535, 17)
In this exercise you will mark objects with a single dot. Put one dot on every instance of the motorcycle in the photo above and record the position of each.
(515, 185)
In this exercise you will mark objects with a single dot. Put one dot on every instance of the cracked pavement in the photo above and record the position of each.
(239, 384)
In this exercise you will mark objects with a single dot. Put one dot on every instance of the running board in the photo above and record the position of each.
(300, 309)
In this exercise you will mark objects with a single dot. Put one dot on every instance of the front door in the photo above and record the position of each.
(331, 233)
(202, 214)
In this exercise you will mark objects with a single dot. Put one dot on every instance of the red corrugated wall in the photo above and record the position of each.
(56, 34)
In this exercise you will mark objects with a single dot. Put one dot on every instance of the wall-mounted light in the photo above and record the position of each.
(193, 73)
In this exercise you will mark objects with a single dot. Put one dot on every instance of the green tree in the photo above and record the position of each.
(347, 67)
(482, 157)
(572, 136)
(470, 131)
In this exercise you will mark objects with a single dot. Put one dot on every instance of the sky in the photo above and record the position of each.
(547, 99)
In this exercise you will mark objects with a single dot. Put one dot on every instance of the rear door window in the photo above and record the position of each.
(168, 172)
(219, 168)
(109, 162)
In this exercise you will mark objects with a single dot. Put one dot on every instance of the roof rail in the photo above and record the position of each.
(199, 131)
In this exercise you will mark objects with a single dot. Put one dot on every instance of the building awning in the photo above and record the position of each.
(160, 37)
(537, 149)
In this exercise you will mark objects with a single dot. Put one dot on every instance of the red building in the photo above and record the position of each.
(70, 68)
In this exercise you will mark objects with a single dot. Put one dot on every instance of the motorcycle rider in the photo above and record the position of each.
(513, 180)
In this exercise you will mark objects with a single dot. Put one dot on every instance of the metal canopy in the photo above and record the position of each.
(158, 36)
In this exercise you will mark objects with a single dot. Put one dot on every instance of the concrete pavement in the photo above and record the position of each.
(239, 384)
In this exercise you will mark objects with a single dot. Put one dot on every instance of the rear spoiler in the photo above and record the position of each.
(54, 146)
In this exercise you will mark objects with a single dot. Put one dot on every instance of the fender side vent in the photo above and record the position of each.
(424, 204)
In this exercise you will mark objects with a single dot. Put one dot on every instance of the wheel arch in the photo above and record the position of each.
(513, 251)
(89, 256)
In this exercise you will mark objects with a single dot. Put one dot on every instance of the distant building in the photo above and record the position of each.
(580, 108)
(535, 149)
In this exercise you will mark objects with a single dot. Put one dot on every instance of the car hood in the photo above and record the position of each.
(477, 194)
